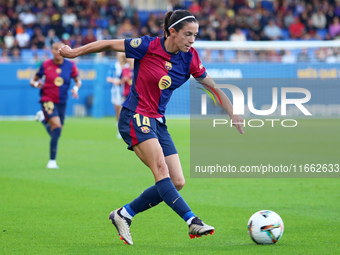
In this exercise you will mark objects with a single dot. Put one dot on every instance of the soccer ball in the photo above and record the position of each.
(265, 227)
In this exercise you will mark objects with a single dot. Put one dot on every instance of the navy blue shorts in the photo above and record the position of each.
(51, 109)
(136, 128)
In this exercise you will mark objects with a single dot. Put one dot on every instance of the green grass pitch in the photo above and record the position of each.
(65, 211)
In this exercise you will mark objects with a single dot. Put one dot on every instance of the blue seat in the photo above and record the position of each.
(285, 34)
(229, 54)
(322, 33)
(268, 5)
(26, 54)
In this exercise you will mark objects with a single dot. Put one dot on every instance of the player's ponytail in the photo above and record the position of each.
(176, 19)
(166, 23)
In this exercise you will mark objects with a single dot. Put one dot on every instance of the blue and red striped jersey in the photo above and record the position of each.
(157, 73)
(57, 80)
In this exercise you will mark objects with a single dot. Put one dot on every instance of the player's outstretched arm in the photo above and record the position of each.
(94, 47)
(223, 100)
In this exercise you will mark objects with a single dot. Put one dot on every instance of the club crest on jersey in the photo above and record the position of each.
(145, 130)
(58, 71)
(164, 82)
(135, 42)
(168, 65)
(58, 81)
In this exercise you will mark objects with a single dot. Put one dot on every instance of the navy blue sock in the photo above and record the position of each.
(55, 134)
(172, 198)
(149, 198)
(47, 127)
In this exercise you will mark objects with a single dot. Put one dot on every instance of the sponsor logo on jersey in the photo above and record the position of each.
(58, 70)
(168, 65)
(135, 42)
(164, 82)
(58, 81)
(145, 130)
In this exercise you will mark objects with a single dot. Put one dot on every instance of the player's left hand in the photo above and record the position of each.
(75, 93)
(238, 122)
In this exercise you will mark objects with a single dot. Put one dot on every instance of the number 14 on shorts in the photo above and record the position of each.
(141, 120)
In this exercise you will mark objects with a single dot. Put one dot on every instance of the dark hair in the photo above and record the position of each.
(172, 16)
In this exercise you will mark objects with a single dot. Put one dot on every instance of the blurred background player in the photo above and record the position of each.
(126, 77)
(121, 78)
(116, 91)
(53, 95)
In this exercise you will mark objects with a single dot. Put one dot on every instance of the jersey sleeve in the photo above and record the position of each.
(137, 47)
(75, 71)
(41, 70)
(197, 69)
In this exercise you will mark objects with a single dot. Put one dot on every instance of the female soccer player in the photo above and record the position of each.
(53, 95)
(161, 66)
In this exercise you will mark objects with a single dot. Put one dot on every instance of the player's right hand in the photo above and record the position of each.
(66, 52)
(238, 122)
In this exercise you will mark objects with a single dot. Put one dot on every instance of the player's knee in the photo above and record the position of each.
(162, 168)
(179, 183)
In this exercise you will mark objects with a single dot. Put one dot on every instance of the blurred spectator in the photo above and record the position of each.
(66, 39)
(331, 58)
(296, 29)
(320, 54)
(38, 10)
(4, 58)
(16, 55)
(51, 38)
(242, 57)
(21, 6)
(303, 56)
(231, 26)
(4, 20)
(69, 18)
(130, 9)
(50, 8)
(56, 24)
(337, 8)
(319, 19)
(272, 31)
(334, 28)
(90, 37)
(255, 32)
(330, 14)
(23, 38)
(288, 57)
(304, 17)
(288, 19)
(126, 30)
(106, 35)
(310, 29)
(205, 34)
(273, 56)
(9, 39)
(238, 36)
(113, 28)
(38, 38)
(195, 7)
(27, 17)
(153, 28)
(75, 29)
